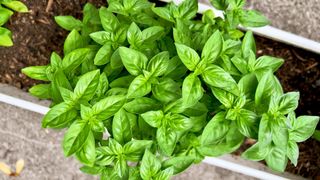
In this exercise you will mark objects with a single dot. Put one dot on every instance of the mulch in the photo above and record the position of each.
(36, 35)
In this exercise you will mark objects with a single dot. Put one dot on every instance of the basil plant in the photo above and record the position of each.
(6, 11)
(145, 91)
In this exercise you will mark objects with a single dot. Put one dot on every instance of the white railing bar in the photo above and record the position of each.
(268, 31)
(213, 161)
(23, 104)
(242, 169)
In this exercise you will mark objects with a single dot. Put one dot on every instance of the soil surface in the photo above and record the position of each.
(36, 35)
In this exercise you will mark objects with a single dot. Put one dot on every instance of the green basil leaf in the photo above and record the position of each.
(16, 6)
(122, 82)
(280, 136)
(163, 13)
(134, 61)
(134, 35)
(230, 143)
(88, 64)
(277, 159)
(115, 60)
(152, 33)
(139, 87)
(135, 149)
(255, 153)
(75, 137)
(115, 146)
(41, 91)
(104, 54)
(288, 102)
(121, 128)
(196, 110)
(188, 56)
(268, 62)
(142, 105)
(267, 87)
(94, 170)
(180, 36)
(179, 122)
(120, 36)
(240, 64)
(112, 73)
(5, 15)
(224, 97)
(55, 60)
(36, 72)
(165, 174)
(208, 17)
(176, 69)
(85, 112)
(87, 154)
(248, 44)
(180, 163)
(116, 91)
(212, 48)
(159, 64)
(237, 3)
(87, 85)
(73, 41)
(215, 130)
(217, 77)
(248, 85)
(248, 123)
(150, 165)
(134, 173)
(109, 173)
(316, 135)
(144, 19)
(5, 37)
(68, 22)
(59, 116)
(101, 37)
(108, 106)
(153, 118)
(105, 156)
(303, 128)
(103, 85)
(167, 140)
(293, 152)
(175, 106)
(192, 90)
(74, 59)
(59, 81)
(109, 21)
(91, 15)
(188, 9)
(220, 4)
(122, 168)
(167, 90)
(265, 132)
(252, 18)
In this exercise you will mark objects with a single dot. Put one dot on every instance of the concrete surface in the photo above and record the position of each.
(300, 17)
(21, 136)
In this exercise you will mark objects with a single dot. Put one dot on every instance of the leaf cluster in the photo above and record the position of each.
(7, 7)
(146, 91)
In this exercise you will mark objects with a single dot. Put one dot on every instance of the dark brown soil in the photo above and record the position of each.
(36, 35)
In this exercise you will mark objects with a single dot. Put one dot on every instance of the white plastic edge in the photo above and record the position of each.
(268, 31)
(209, 160)
(241, 169)
(24, 104)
